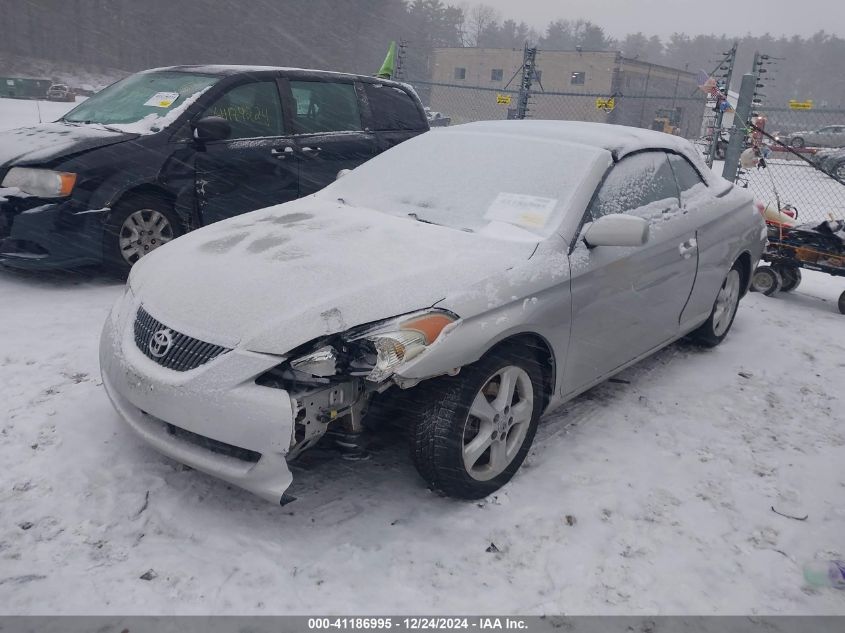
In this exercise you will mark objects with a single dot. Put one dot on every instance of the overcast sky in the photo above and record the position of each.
(663, 17)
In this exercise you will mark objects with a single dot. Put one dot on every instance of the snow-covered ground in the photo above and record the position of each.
(20, 112)
(652, 494)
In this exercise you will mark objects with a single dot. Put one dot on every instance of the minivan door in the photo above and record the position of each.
(326, 119)
(256, 166)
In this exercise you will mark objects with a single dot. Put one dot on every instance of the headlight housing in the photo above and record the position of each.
(43, 183)
(404, 340)
(374, 351)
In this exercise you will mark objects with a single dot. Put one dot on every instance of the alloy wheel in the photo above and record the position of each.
(497, 424)
(726, 303)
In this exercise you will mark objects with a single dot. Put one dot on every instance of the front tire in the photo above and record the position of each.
(797, 142)
(842, 303)
(474, 430)
(714, 330)
(137, 226)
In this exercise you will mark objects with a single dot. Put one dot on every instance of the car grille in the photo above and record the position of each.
(183, 354)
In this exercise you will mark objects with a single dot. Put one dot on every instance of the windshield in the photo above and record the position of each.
(472, 181)
(145, 96)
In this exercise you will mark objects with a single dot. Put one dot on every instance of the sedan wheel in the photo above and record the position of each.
(797, 142)
(726, 304)
(839, 172)
(497, 423)
(472, 431)
(716, 328)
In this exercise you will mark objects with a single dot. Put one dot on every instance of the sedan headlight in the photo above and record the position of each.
(410, 338)
(43, 183)
(373, 351)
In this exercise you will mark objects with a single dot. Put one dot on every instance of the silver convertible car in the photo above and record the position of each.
(460, 284)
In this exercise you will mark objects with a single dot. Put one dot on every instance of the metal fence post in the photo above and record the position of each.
(741, 116)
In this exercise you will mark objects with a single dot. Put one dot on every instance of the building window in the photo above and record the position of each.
(496, 74)
(460, 73)
(578, 78)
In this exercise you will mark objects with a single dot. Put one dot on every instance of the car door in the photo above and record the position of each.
(329, 134)
(627, 301)
(256, 166)
(837, 136)
(393, 114)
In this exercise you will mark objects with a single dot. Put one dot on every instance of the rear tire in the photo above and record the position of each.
(842, 303)
(766, 280)
(469, 438)
(797, 142)
(137, 225)
(714, 330)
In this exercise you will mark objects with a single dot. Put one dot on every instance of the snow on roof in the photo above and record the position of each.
(620, 140)
(233, 69)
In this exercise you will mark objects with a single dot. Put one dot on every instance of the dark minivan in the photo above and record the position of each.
(168, 150)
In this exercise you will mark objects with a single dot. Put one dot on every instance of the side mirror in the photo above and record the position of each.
(616, 229)
(211, 128)
(342, 173)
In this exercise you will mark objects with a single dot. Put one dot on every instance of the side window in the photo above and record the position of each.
(253, 110)
(393, 108)
(642, 184)
(685, 174)
(323, 106)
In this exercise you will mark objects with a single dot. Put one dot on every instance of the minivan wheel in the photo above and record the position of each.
(716, 328)
(473, 431)
(136, 227)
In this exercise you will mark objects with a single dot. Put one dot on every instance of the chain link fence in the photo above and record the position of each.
(455, 104)
(803, 166)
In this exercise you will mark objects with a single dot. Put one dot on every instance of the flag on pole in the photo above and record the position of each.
(707, 85)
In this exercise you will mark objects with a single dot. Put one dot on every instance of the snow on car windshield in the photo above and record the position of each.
(472, 181)
(142, 103)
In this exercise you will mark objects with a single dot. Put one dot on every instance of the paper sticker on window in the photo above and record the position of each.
(531, 212)
(162, 99)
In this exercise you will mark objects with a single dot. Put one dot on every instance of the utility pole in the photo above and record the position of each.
(529, 61)
(723, 72)
(400, 60)
(741, 116)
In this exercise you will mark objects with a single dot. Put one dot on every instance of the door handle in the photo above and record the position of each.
(283, 153)
(686, 249)
(311, 151)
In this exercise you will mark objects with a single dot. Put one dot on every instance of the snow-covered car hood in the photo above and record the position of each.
(51, 141)
(275, 278)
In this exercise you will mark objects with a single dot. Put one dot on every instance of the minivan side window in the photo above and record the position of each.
(393, 108)
(253, 110)
(323, 106)
(635, 185)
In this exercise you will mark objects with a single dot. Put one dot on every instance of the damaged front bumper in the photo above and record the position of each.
(41, 233)
(214, 418)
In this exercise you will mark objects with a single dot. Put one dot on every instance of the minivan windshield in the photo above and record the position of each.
(148, 97)
(474, 181)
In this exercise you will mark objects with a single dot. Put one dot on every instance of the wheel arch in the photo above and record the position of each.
(744, 261)
(542, 351)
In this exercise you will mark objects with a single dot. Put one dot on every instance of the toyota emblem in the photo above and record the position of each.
(160, 342)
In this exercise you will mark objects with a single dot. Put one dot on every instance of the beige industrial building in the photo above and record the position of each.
(470, 84)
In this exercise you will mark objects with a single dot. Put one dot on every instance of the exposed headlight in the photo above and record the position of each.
(43, 183)
(410, 338)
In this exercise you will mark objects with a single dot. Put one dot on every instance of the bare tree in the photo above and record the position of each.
(479, 18)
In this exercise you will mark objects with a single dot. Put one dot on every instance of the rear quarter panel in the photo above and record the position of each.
(730, 225)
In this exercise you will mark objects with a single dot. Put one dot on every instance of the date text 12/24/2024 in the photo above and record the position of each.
(420, 623)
